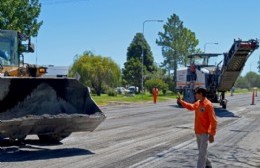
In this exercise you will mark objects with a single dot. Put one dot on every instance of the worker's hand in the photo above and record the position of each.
(211, 138)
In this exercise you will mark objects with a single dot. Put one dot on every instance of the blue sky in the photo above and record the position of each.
(107, 27)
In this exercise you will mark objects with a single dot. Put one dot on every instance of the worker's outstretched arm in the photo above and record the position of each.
(186, 105)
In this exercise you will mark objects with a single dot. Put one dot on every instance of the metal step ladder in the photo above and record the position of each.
(234, 62)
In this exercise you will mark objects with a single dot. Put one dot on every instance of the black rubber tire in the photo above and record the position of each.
(53, 138)
(21, 139)
(224, 104)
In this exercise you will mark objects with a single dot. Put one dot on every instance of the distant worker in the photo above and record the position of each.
(193, 74)
(217, 74)
(232, 90)
(155, 92)
(218, 71)
(205, 124)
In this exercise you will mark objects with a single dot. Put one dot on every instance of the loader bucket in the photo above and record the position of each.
(51, 108)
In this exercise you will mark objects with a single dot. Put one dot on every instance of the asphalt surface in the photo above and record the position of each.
(148, 135)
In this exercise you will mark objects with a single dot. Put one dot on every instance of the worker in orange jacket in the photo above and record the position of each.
(205, 124)
(155, 92)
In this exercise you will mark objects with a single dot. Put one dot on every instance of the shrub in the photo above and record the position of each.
(111, 92)
(161, 85)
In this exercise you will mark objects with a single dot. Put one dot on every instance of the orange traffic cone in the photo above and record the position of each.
(253, 98)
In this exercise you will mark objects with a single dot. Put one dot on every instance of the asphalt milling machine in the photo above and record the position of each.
(216, 78)
(51, 108)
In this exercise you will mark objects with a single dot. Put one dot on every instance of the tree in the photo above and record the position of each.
(137, 46)
(132, 71)
(155, 82)
(252, 79)
(96, 71)
(241, 82)
(157, 73)
(177, 42)
(20, 15)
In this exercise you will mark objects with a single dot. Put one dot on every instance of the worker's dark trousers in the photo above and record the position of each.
(202, 140)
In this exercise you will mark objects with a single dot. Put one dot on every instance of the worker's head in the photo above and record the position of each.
(200, 93)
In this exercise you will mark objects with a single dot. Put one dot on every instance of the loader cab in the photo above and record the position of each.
(12, 47)
(207, 72)
(203, 60)
(8, 48)
(198, 60)
(208, 63)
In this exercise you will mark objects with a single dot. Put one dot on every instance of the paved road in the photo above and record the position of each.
(148, 135)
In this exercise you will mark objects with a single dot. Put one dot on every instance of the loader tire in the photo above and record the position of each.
(53, 138)
(224, 104)
(21, 139)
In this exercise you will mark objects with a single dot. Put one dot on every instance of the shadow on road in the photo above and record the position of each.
(7, 143)
(176, 106)
(220, 112)
(29, 152)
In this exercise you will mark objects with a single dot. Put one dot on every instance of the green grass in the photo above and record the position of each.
(104, 99)
(241, 91)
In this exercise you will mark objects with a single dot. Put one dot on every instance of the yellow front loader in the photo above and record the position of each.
(51, 108)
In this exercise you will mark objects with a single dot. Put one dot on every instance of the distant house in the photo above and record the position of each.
(57, 71)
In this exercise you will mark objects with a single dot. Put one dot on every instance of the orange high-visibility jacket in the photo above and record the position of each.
(155, 92)
(205, 118)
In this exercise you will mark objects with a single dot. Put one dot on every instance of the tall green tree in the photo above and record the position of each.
(253, 79)
(177, 42)
(20, 15)
(132, 71)
(138, 46)
(241, 82)
(96, 71)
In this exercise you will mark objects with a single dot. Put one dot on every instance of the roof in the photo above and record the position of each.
(205, 55)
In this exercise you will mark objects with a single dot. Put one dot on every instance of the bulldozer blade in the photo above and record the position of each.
(46, 106)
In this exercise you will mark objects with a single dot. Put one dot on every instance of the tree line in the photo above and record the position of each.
(250, 80)
(176, 41)
(102, 73)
